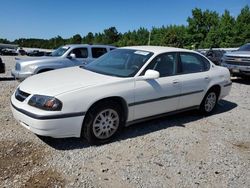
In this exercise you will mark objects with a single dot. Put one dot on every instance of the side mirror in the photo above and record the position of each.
(150, 75)
(72, 56)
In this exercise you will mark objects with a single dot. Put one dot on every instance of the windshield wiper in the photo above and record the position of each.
(82, 67)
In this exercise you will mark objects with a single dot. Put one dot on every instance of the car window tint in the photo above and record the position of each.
(245, 47)
(165, 64)
(191, 63)
(120, 62)
(97, 52)
(206, 63)
(80, 52)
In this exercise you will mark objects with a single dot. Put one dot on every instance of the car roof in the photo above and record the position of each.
(157, 49)
(88, 45)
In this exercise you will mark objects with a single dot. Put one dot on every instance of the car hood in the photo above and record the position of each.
(28, 61)
(238, 54)
(60, 81)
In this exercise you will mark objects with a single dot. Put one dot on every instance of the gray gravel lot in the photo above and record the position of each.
(184, 150)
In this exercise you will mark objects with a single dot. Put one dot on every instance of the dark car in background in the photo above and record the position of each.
(37, 53)
(215, 55)
(7, 51)
(21, 51)
(2, 66)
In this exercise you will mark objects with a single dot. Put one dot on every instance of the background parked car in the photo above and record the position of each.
(65, 56)
(7, 51)
(238, 62)
(36, 53)
(2, 66)
(21, 51)
(215, 55)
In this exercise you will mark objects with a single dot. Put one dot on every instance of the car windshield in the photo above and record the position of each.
(59, 51)
(120, 62)
(245, 47)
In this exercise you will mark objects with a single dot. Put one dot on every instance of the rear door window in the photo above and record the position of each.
(192, 63)
(97, 51)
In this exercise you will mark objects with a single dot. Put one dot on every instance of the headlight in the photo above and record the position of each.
(32, 67)
(18, 67)
(45, 102)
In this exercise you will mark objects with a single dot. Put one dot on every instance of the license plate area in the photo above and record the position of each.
(235, 70)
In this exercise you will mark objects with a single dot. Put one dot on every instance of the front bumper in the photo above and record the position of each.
(56, 125)
(237, 70)
(20, 75)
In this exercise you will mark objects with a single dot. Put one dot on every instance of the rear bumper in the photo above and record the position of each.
(225, 90)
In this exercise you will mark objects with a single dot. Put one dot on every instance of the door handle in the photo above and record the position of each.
(207, 78)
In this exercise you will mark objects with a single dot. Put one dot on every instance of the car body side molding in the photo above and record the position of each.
(162, 115)
(164, 98)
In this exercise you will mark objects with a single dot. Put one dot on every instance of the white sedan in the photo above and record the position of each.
(127, 85)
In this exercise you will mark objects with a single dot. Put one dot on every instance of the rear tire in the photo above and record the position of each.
(209, 102)
(102, 122)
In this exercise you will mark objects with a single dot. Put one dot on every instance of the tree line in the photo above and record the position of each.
(204, 29)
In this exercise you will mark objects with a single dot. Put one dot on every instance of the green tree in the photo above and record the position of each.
(56, 42)
(242, 27)
(99, 38)
(175, 36)
(88, 39)
(157, 36)
(110, 36)
(76, 39)
(5, 41)
(226, 30)
(200, 24)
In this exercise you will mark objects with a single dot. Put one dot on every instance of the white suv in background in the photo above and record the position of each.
(65, 56)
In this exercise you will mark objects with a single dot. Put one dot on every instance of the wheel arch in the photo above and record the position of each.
(41, 70)
(216, 88)
(119, 100)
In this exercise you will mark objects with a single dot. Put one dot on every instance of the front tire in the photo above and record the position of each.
(103, 122)
(209, 102)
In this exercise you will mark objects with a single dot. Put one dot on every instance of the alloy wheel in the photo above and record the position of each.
(210, 101)
(106, 124)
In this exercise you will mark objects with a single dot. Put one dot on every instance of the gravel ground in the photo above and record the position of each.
(184, 150)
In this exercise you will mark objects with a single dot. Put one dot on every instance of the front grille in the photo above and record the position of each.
(239, 63)
(21, 95)
(238, 59)
(245, 61)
